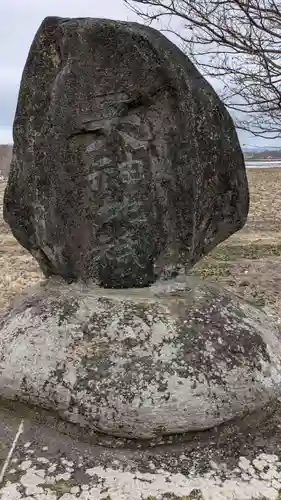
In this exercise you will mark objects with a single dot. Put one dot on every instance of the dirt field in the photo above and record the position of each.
(249, 262)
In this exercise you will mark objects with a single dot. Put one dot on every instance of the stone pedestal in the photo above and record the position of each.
(177, 357)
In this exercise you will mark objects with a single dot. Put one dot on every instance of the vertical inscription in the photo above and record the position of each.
(123, 243)
(131, 171)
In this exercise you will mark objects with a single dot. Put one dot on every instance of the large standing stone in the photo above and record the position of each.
(126, 165)
(174, 357)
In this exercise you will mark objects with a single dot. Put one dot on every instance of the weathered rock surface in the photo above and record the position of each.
(178, 356)
(126, 165)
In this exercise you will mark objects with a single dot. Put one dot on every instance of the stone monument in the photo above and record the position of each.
(126, 171)
(126, 166)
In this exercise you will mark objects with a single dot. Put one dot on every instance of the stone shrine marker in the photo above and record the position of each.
(126, 170)
(126, 165)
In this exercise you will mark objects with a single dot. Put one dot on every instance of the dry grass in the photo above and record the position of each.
(18, 268)
(249, 262)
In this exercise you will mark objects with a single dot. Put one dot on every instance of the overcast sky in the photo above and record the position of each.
(20, 20)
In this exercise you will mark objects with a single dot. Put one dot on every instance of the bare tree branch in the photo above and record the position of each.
(238, 42)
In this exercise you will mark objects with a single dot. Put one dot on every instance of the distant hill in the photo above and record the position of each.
(5, 160)
(253, 149)
(274, 154)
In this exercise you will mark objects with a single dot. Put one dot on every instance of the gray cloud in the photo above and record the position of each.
(8, 100)
(19, 22)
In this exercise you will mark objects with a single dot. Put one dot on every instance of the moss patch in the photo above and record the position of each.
(193, 495)
(3, 446)
(67, 309)
(278, 495)
(60, 487)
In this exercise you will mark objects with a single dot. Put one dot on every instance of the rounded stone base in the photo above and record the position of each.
(178, 356)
